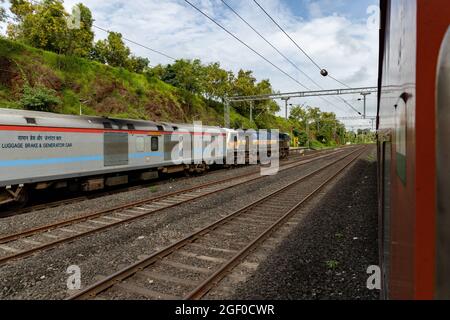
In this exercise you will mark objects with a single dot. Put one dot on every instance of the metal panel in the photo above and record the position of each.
(386, 217)
(116, 149)
(443, 173)
(398, 92)
(171, 142)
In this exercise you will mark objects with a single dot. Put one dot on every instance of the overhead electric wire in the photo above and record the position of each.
(242, 42)
(339, 81)
(277, 50)
(270, 44)
(245, 44)
(300, 48)
(249, 47)
(297, 45)
(138, 44)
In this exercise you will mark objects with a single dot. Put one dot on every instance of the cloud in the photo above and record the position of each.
(345, 46)
(315, 10)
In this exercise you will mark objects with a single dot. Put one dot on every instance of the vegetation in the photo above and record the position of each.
(2, 12)
(39, 99)
(96, 88)
(323, 126)
(114, 52)
(361, 137)
(45, 25)
(332, 264)
(50, 62)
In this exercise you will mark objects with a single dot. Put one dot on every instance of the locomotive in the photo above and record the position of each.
(413, 143)
(40, 150)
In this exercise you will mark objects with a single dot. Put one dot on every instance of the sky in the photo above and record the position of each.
(335, 33)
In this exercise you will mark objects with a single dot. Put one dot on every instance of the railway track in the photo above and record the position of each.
(191, 267)
(95, 195)
(28, 242)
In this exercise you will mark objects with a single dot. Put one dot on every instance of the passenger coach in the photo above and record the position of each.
(40, 150)
(43, 150)
(414, 144)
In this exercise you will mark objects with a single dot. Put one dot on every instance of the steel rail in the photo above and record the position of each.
(55, 226)
(33, 231)
(214, 279)
(68, 201)
(129, 271)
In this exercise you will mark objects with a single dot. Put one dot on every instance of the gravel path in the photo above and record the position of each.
(328, 253)
(43, 276)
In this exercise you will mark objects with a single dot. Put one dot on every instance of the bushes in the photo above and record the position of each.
(39, 99)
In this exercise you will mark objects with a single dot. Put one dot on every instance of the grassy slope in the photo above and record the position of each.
(108, 91)
(103, 90)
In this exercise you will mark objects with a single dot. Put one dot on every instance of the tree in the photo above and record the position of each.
(41, 25)
(245, 84)
(217, 82)
(300, 115)
(324, 125)
(185, 74)
(2, 12)
(112, 51)
(302, 137)
(81, 38)
(44, 25)
(138, 64)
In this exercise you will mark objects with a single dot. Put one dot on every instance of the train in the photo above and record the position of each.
(413, 149)
(41, 150)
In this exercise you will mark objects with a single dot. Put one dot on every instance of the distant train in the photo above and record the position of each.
(413, 148)
(41, 150)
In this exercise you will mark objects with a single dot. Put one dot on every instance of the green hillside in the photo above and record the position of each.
(99, 89)
(29, 76)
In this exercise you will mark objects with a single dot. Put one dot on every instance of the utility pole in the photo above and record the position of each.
(251, 111)
(335, 133)
(81, 102)
(308, 133)
(286, 100)
(365, 94)
(227, 113)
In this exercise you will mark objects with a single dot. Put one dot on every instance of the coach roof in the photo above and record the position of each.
(46, 119)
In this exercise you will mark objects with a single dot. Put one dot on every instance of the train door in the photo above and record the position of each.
(152, 149)
(116, 149)
(443, 173)
(140, 144)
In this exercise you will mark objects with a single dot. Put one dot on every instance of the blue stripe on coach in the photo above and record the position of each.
(38, 162)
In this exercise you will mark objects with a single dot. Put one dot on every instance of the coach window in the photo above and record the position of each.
(155, 144)
(140, 144)
(31, 120)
